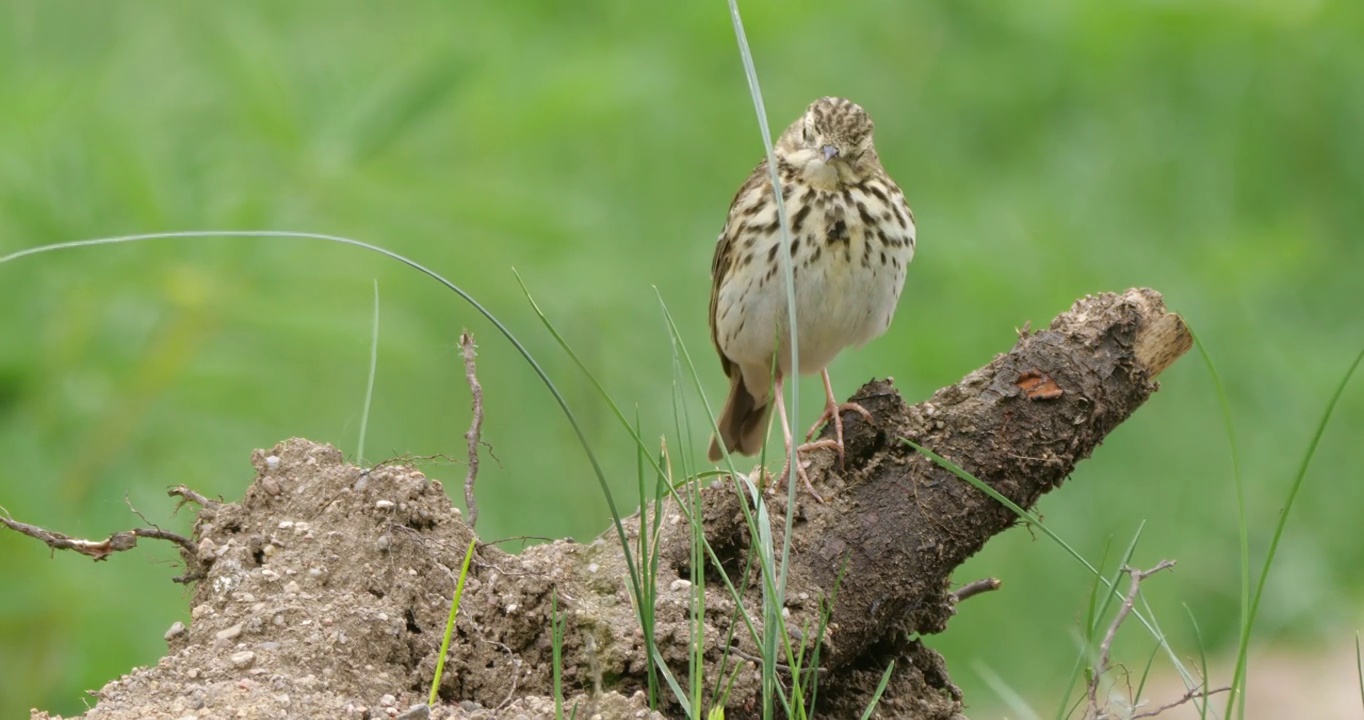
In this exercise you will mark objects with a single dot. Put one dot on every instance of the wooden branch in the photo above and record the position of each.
(326, 571)
(901, 523)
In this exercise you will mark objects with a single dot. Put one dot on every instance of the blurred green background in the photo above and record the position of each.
(1050, 148)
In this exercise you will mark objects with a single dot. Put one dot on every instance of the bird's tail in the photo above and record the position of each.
(743, 421)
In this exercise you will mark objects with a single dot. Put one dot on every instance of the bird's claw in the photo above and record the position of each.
(833, 412)
(800, 470)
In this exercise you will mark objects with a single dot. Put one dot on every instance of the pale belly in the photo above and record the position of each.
(846, 291)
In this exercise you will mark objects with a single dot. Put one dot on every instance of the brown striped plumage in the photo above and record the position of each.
(852, 238)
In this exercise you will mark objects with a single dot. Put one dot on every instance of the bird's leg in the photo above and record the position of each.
(833, 411)
(786, 434)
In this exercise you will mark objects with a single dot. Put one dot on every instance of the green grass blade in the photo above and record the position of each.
(880, 688)
(450, 622)
(658, 466)
(646, 610)
(678, 693)
(775, 596)
(1239, 677)
(1146, 673)
(1096, 614)
(369, 383)
(1243, 526)
(1204, 702)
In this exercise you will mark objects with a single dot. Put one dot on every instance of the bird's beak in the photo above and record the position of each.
(830, 152)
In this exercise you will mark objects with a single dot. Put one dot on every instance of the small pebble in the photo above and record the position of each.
(242, 659)
(229, 633)
(177, 629)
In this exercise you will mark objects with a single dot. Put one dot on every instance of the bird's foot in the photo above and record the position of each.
(833, 412)
(785, 473)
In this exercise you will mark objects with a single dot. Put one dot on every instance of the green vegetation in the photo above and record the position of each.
(1213, 152)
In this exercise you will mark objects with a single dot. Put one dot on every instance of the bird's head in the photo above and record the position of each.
(831, 143)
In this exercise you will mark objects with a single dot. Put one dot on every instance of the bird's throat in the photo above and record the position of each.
(821, 175)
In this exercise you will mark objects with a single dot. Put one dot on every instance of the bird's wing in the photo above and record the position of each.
(726, 249)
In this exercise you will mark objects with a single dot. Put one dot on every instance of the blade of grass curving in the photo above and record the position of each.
(1204, 702)
(1077, 668)
(678, 348)
(596, 384)
(698, 551)
(759, 525)
(777, 600)
(1092, 611)
(1112, 582)
(1095, 614)
(369, 384)
(729, 687)
(667, 673)
(1036, 522)
(672, 488)
(787, 272)
(646, 615)
(1146, 674)
(1238, 678)
(1150, 613)
(697, 589)
(761, 545)
(699, 545)
(506, 332)
(880, 688)
(1243, 527)
(698, 606)
(450, 622)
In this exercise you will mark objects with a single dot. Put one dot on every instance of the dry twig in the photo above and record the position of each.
(466, 343)
(1106, 647)
(101, 549)
(1190, 695)
(972, 589)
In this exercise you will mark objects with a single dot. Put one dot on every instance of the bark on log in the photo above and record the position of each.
(326, 589)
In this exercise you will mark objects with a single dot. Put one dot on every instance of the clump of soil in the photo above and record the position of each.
(325, 594)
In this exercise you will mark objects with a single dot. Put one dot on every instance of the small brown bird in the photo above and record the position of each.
(852, 235)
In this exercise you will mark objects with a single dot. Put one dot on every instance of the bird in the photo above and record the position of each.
(852, 236)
